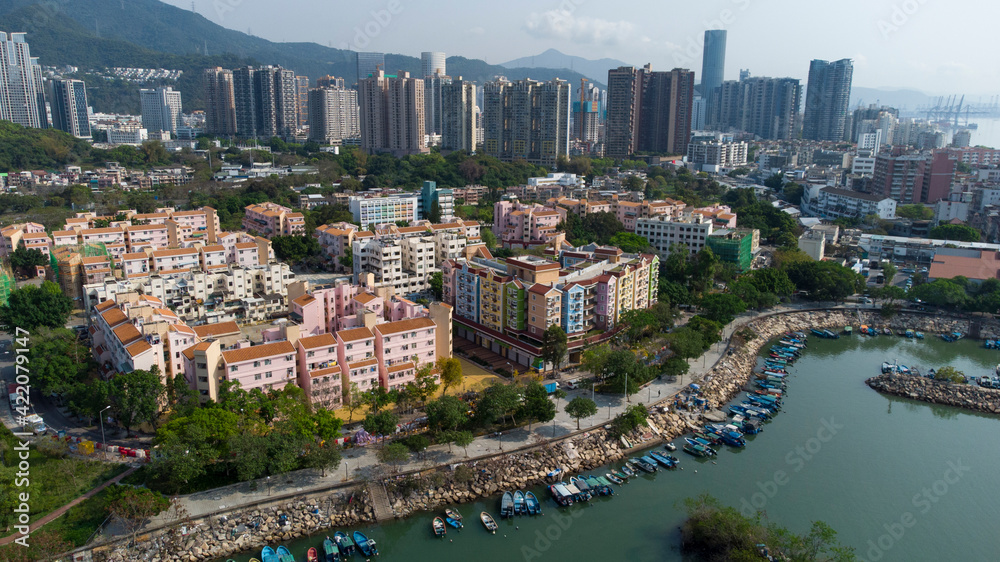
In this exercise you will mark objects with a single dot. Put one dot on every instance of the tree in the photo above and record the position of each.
(58, 360)
(722, 307)
(775, 181)
(434, 213)
(24, 261)
(536, 405)
(183, 398)
(134, 506)
(889, 272)
(581, 407)
(327, 425)
(446, 413)
(793, 193)
(347, 260)
(496, 402)
(823, 280)
(450, 369)
(136, 397)
(377, 398)
(436, 281)
(295, 248)
(957, 232)
(941, 292)
(685, 342)
(249, 455)
(914, 212)
(463, 439)
(949, 374)
(710, 330)
(554, 346)
(32, 307)
(489, 239)
(675, 367)
(381, 423)
(395, 454)
(629, 242)
(323, 457)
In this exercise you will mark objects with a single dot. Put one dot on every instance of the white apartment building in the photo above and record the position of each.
(830, 202)
(370, 211)
(663, 233)
(161, 109)
(713, 155)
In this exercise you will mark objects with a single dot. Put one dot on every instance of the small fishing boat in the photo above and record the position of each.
(531, 504)
(696, 450)
(518, 502)
(330, 550)
(582, 485)
(887, 331)
(312, 555)
(366, 545)
(703, 446)
(620, 475)
(344, 543)
(918, 335)
(670, 447)
(507, 505)
(629, 469)
(437, 525)
(488, 522)
(562, 495)
(267, 554)
(848, 330)
(614, 478)
(664, 460)
(453, 515)
(644, 465)
(284, 555)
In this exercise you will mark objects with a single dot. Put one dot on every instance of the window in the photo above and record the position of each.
(256, 377)
(267, 375)
(233, 369)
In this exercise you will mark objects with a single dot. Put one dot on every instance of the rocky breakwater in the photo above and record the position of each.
(966, 396)
(220, 536)
(474, 480)
(731, 375)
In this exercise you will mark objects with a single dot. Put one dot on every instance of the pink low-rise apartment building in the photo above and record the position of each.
(245, 254)
(38, 241)
(402, 347)
(135, 264)
(515, 223)
(267, 366)
(320, 374)
(145, 236)
(721, 216)
(103, 236)
(335, 239)
(213, 257)
(96, 269)
(174, 260)
(356, 355)
(271, 219)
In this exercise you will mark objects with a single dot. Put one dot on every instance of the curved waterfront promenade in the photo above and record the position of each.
(307, 484)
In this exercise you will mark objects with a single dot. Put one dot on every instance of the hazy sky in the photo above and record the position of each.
(939, 46)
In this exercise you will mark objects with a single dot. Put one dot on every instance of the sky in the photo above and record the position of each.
(937, 46)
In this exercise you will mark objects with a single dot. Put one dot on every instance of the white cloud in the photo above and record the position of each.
(562, 24)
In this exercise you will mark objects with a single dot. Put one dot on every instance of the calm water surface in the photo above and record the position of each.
(899, 480)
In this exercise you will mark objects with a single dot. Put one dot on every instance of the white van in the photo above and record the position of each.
(573, 384)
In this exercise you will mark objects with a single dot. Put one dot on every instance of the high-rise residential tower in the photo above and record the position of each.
(161, 109)
(302, 101)
(625, 85)
(392, 113)
(369, 64)
(458, 116)
(432, 62)
(828, 96)
(667, 105)
(266, 100)
(220, 104)
(526, 120)
(713, 64)
(22, 95)
(433, 85)
(333, 114)
(69, 107)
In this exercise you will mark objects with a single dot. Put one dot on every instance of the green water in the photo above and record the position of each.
(880, 470)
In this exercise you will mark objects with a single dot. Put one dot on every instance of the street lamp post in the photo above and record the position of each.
(103, 440)
(500, 434)
(268, 485)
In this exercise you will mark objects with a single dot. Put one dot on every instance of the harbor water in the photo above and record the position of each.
(898, 479)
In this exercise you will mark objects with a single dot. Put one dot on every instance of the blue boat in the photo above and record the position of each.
(507, 505)
(696, 443)
(665, 460)
(518, 502)
(330, 552)
(344, 543)
(752, 426)
(819, 333)
(531, 504)
(918, 335)
(267, 554)
(284, 555)
(366, 545)
(644, 464)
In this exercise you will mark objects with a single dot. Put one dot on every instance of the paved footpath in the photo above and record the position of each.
(58, 513)
(359, 461)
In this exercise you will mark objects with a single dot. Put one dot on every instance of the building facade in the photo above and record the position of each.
(220, 103)
(526, 120)
(69, 107)
(161, 109)
(828, 96)
(392, 114)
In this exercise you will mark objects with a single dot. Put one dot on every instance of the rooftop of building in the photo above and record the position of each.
(257, 352)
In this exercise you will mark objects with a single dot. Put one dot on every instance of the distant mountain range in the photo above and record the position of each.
(149, 33)
(596, 70)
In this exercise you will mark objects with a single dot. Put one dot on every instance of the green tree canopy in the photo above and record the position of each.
(136, 397)
(630, 243)
(32, 307)
(957, 232)
(554, 345)
(447, 413)
(581, 407)
(536, 405)
(722, 307)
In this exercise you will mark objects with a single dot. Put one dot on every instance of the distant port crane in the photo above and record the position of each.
(953, 109)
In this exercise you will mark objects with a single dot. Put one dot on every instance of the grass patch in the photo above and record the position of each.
(82, 520)
(56, 481)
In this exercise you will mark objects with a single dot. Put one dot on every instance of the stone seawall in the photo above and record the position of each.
(436, 487)
(965, 396)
